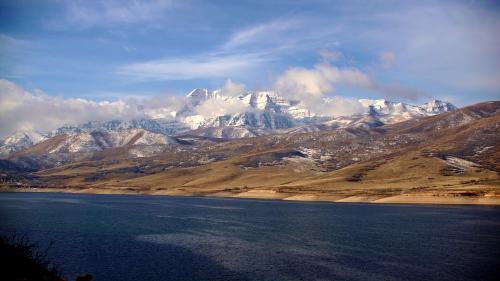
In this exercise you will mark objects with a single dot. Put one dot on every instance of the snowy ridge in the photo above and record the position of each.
(158, 125)
(20, 140)
(249, 114)
(100, 140)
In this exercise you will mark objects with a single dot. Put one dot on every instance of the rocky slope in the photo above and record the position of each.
(19, 141)
(248, 114)
(453, 157)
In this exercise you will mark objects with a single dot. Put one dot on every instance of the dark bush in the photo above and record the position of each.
(21, 260)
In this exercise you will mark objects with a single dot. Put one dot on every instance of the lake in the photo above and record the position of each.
(121, 237)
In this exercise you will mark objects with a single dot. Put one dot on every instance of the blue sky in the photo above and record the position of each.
(107, 50)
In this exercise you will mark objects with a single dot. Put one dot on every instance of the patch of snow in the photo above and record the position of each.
(460, 163)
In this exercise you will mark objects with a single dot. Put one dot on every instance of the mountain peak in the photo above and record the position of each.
(20, 140)
(262, 112)
(438, 106)
(198, 92)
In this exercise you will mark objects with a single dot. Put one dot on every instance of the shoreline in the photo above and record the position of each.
(414, 199)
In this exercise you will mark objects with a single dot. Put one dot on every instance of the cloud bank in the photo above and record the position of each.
(232, 89)
(22, 110)
(213, 108)
(311, 85)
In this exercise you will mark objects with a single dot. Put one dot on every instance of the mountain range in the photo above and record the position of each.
(250, 114)
(390, 152)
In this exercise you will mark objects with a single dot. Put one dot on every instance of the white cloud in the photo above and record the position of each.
(190, 68)
(232, 89)
(339, 106)
(23, 110)
(214, 107)
(228, 104)
(310, 85)
(302, 83)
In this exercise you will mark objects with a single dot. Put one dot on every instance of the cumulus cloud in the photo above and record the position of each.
(338, 106)
(310, 85)
(24, 110)
(214, 107)
(228, 104)
(232, 89)
(164, 106)
(303, 82)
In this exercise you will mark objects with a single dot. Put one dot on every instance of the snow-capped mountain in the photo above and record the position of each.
(437, 106)
(158, 125)
(20, 140)
(392, 112)
(268, 110)
(263, 109)
(100, 140)
(97, 135)
(216, 114)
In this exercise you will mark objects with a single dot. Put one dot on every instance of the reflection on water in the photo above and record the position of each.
(118, 237)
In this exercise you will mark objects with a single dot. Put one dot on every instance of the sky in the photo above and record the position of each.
(110, 51)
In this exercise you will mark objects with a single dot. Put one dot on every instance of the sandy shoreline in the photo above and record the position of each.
(271, 195)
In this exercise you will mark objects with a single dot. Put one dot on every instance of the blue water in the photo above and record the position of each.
(117, 237)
